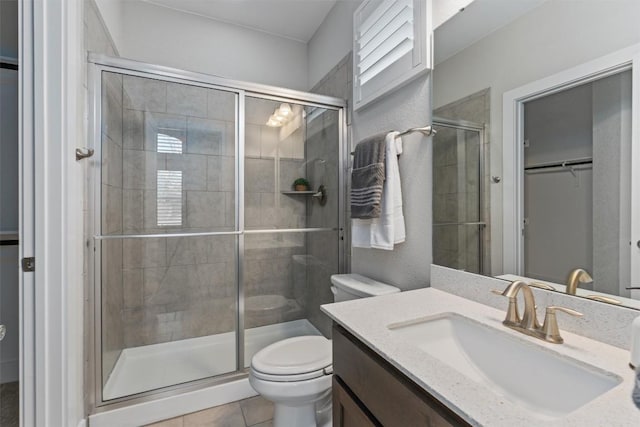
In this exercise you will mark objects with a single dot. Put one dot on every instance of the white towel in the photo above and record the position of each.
(388, 230)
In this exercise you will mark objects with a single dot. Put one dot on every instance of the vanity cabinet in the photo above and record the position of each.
(369, 391)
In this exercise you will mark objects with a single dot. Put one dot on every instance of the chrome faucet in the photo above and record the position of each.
(528, 324)
(577, 276)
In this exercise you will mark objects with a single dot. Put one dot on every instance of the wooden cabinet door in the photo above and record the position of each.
(347, 412)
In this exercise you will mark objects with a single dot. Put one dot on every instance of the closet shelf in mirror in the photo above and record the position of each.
(447, 224)
(562, 164)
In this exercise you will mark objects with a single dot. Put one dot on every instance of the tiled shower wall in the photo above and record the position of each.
(164, 289)
(323, 144)
(274, 158)
(157, 289)
(98, 40)
(322, 261)
(455, 194)
(111, 185)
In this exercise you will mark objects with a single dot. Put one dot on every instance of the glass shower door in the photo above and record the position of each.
(166, 257)
(291, 241)
(458, 199)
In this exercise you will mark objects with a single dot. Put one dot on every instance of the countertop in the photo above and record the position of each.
(479, 404)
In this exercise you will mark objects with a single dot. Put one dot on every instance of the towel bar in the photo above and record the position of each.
(426, 131)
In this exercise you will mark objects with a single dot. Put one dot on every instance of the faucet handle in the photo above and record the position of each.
(540, 285)
(550, 328)
(512, 318)
(554, 308)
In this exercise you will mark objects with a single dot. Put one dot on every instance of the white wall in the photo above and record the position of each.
(159, 35)
(332, 41)
(112, 12)
(551, 38)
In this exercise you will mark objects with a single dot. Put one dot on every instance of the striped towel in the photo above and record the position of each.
(367, 177)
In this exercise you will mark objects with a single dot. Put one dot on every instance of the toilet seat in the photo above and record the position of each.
(292, 378)
(294, 359)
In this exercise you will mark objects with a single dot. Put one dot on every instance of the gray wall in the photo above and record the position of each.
(323, 154)
(9, 301)
(611, 183)
(558, 235)
(408, 265)
(9, 28)
(9, 116)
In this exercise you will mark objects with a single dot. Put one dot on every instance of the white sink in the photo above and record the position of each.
(538, 379)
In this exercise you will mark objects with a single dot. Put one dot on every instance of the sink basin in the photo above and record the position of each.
(540, 380)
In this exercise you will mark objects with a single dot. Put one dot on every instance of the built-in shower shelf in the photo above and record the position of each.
(320, 194)
(299, 193)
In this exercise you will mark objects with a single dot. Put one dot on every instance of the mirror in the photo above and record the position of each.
(532, 172)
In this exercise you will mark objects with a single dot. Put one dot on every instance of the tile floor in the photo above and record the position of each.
(252, 412)
(9, 405)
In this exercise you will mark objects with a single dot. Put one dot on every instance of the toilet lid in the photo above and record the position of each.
(294, 356)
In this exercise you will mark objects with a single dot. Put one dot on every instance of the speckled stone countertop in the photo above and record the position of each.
(479, 404)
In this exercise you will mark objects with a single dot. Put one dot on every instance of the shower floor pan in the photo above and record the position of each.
(151, 367)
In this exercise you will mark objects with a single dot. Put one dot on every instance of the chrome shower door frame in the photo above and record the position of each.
(482, 221)
(93, 344)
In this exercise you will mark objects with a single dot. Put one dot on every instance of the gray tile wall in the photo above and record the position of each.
(271, 268)
(166, 289)
(322, 262)
(455, 188)
(173, 288)
(112, 221)
(274, 158)
(97, 39)
(322, 144)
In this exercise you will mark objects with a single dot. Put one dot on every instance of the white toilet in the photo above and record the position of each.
(295, 373)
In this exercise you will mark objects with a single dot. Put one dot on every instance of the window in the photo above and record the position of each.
(392, 41)
(169, 200)
(168, 143)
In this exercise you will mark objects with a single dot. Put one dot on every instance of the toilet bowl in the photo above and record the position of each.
(295, 373)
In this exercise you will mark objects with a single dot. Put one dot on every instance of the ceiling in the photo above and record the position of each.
(293, 19)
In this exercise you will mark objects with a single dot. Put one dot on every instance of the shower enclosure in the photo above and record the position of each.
(459, 204)
(201, 252)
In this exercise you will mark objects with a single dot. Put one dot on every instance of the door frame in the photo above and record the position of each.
(51, 209)
(513, 153)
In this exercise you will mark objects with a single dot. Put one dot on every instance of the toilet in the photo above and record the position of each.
(295, 373)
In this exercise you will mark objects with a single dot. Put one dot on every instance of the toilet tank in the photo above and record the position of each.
(353, 286)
